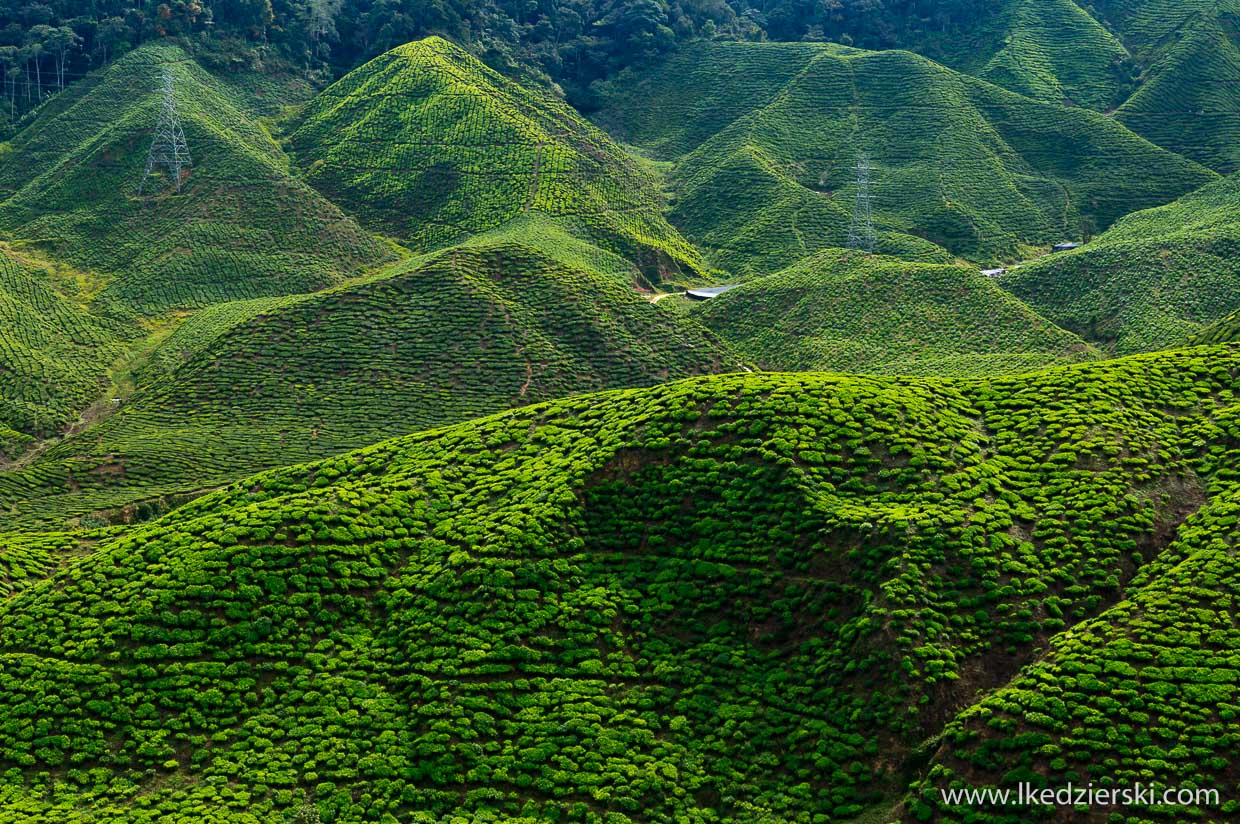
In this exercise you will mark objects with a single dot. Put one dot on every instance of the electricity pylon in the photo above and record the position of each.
(861, 234)
(168, 149)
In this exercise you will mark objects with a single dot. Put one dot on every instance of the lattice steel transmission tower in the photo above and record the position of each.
(861, 234)
(168, 150)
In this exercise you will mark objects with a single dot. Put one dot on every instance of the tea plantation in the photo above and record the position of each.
(53, 354)
(241, 227)
(959, 164)
(1225, 331)
(429, 145)
(733, 598)
(264, 383)
(845, 312)
(1150, 282)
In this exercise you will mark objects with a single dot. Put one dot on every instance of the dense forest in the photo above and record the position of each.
(43, 46)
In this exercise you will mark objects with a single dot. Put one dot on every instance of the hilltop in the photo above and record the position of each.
(846, 312)
(766, 138)
(241, 227)
(731, 597)
(427, 144)
(257, 384)
(1154, 279)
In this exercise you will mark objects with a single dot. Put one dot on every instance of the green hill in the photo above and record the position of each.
(1190, 100)
(1050, 50)
(1151, 281)
(246, 386)
(429, 145)
(54, 355)
(959, 164)
(733, 598)
(242, 226)
(842, 312)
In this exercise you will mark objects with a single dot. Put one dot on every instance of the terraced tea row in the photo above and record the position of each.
(242, 387)
(959, 164)
(731, 598)
(429, 145)
(241, 227)
(846, 312)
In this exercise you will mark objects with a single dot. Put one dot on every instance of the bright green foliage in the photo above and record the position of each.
(241, 227)
(1147, 693)
(1226, 330)
(1151, 281)
(430, 145)
(53, 355)
(845, 312)
(733, 598)
(264, 383)
(957, 162)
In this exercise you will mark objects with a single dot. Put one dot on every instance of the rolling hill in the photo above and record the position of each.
(1154, 279)
(427, 144)
(1226, 330)
(766, 138)
(242, 226)
(249, 385)
(843, 312)
(730, 598)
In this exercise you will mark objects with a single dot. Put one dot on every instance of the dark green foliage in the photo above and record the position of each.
(846, 312)
(958, 163)
(733, 598)
(241, 227)
(1154, 279)
(429, 145)
(264, 383)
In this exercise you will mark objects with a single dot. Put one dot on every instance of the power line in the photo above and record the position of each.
(861, 234)
(168, 150)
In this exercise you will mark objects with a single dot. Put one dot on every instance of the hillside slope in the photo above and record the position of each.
(959, 164)
(735, 598)
(53, 354)
(1226, 330)
(429, 145)
(1154, 279)
(265, 383)
(842, 312)
(241, 227)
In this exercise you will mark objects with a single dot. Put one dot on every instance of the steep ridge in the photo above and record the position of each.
(959, 164)
(1154, 279)
(1050, 50)
(429, 145)
(242, 226)
(843, 312)
(1190, 100)
(265, 383)
(53, 354)
(730, 598)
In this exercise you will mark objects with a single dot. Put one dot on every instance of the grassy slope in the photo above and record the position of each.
(958, 162)
(264, 383)
(54, 355)
(242, 226)
(430, 145)
(840, 312)
(740, 598)
(1151, 281)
